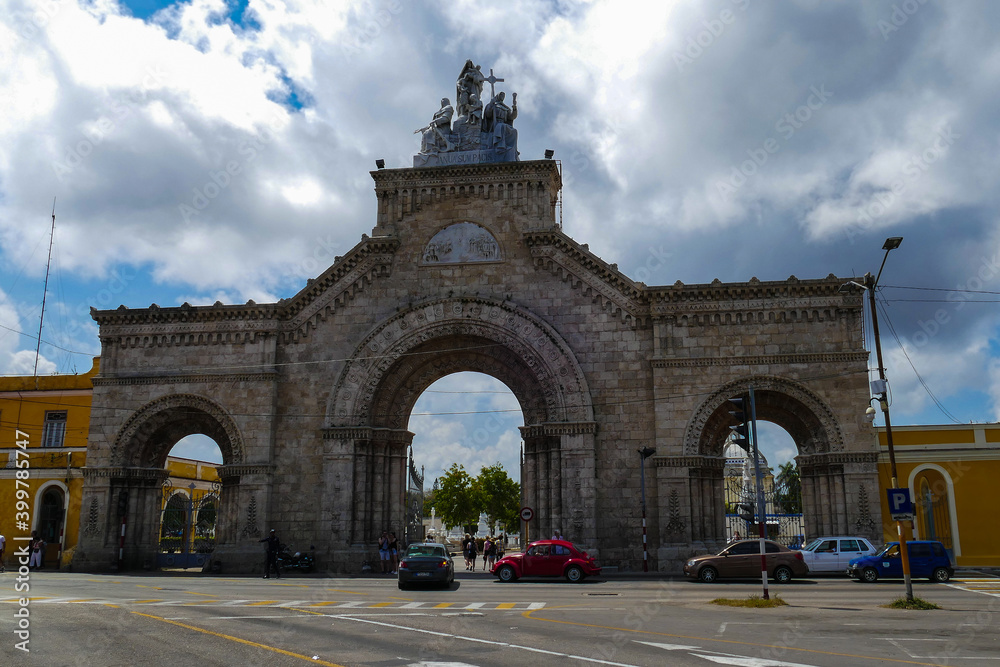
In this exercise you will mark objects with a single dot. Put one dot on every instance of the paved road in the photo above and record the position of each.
(80, 619)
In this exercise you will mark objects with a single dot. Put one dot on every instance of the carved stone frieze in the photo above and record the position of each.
(812, 415)
(761, 360)
(502, 329)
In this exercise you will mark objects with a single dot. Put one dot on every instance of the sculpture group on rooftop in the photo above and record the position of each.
(479, 134)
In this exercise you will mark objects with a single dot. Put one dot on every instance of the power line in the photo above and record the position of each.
(923, 383)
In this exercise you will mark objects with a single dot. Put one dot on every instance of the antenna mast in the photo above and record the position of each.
(45, 291)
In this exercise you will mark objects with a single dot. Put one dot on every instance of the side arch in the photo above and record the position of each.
(790, 405)
(147, 436)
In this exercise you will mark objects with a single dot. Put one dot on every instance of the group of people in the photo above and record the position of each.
(36, 549)
(492, 550)
(388, 553)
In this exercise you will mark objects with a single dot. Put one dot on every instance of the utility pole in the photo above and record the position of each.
(644, 453)
(870, 285)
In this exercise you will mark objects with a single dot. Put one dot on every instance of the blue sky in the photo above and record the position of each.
(699, 140)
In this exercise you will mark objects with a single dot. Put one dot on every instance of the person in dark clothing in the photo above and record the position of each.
(272, 549)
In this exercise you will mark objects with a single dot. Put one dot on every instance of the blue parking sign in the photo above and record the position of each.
(900, 504)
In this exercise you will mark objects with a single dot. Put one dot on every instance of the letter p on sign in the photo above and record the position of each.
(900, 504)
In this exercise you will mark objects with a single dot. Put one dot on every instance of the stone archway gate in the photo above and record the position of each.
(467, 269)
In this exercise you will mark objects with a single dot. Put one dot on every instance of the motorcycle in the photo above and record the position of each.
(301, 561)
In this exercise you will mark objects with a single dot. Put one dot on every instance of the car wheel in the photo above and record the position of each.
(941, 575)
(708, 574)
(402, 586)
(782, 574)
(506, 574)
(869, 574)
(574, 575)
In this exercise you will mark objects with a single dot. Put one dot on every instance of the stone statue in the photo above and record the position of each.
(498, 122)
(470, 82)
(438, 131)
(479, 134)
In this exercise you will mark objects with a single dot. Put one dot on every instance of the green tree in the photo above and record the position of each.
(789, 492)
(457, 500)
(500, 497)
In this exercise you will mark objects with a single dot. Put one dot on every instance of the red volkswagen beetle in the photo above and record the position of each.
(547, 558)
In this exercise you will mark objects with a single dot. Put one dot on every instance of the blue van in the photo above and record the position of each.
(927, 560)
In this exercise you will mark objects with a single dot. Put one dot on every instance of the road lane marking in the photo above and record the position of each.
(506, 605)
(528, 615)
(382, 604)
(477, 640)
(240, 640)
(263, 602)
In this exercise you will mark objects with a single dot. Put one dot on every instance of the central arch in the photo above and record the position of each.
(376, 390)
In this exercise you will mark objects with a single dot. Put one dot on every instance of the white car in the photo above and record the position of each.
(832, 554)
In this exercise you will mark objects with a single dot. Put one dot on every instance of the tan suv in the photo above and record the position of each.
(742, 560)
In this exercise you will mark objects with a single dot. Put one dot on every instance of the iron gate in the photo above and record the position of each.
(782, 509)
(187, 525)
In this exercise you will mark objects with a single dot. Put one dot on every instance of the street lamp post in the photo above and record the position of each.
(644, 454)
(870, 285)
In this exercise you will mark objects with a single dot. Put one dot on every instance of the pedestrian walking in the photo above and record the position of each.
(271, 550)
(384, 552)
(3, 546)
(393, 553)
(37, 547)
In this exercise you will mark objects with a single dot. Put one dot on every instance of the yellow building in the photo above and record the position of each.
(44, 423)
(950, 471)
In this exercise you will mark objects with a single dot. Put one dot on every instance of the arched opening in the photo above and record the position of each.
(933, 510)
(52, 523)
(468, 422)
(190, 499)
(780, 485)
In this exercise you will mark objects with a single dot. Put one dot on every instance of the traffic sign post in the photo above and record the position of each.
(527, 514)
(900, 504)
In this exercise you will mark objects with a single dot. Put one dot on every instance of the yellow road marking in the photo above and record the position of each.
(113, 606)
(528, 615)
(324, 604)
(382, 604)
(208, 595)
(263, 602)
(506, 605)
(443, 605)
(241, 641)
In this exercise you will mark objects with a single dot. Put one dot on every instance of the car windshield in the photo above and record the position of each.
(418, 550)
(812, 545)
(891, 549)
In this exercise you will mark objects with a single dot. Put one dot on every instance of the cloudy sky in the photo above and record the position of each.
(699, 140)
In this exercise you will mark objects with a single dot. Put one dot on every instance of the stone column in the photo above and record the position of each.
(246, 507)
(578, 510)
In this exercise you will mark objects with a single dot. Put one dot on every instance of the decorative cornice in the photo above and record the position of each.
(387, 179)
(186, 378)
(124, 472)
(755, 290)
(761, 359)
(367, 433)
(238, 315)
(834, 458)
(237, 470)
(714, 462)
(558, 428)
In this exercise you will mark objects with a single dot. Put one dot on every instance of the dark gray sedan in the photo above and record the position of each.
(426, 563)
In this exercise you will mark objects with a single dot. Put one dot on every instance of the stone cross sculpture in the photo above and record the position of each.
(479, 134)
